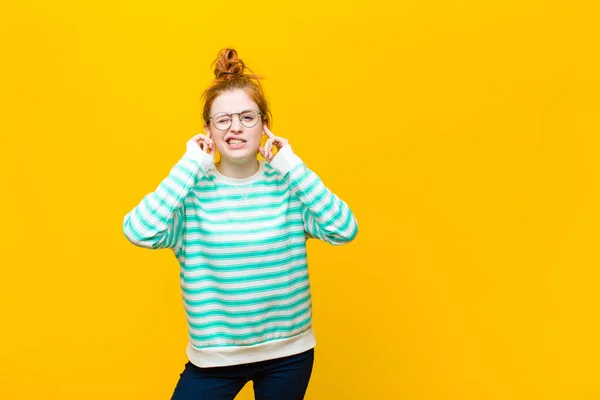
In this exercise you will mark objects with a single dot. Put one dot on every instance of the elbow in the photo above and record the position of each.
(133, 236)
(128, 231)
(354, 232)
(345, 237)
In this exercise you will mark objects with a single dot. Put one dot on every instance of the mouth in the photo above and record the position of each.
(235, 143)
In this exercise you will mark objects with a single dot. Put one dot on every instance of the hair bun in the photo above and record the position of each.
(228, 65)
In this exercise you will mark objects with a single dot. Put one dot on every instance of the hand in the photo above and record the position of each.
(204, 142)
(278, 142)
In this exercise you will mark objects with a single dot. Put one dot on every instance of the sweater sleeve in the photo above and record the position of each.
(157, 221)
(325, 215)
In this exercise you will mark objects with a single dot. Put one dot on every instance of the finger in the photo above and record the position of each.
(266, 150)
(268, 132)
(270, 146)
(197, 136)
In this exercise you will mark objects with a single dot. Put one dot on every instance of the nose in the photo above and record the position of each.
(236, 125)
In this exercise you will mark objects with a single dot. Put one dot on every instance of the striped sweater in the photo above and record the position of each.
(241, 247)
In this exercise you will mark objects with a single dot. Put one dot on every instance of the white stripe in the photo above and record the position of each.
(263, 225)
(139, 227)
(244, 201)
(250, 341)
(332, 213)
(233, 237)
(208, 262)
(182, 175)
(250, 307)
(200, 192)
(161, 209)
(238, 273)
(213, 318)
(245, 284)
(198, 248)
(242, 297)
(243, 331)
(207, 216)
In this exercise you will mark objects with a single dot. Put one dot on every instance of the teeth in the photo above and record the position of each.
(235, 141)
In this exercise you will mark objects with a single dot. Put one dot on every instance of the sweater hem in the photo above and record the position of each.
(235, 355)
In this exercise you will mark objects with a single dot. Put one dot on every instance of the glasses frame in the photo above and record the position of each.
(239, 114)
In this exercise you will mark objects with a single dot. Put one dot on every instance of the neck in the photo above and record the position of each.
(238, 170)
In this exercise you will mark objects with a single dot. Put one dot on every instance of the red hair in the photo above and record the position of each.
(232, 74)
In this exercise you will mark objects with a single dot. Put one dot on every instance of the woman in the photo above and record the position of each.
(238, 229)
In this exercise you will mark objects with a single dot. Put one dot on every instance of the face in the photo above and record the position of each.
(238, 143)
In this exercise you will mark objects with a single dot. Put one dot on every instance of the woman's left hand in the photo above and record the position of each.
(272, 141)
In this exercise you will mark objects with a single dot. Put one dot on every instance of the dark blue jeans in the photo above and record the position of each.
(283, 378)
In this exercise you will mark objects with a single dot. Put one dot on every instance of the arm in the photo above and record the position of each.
(325, 215)
(157, 221)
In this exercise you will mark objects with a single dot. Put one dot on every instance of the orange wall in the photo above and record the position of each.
(463, 134)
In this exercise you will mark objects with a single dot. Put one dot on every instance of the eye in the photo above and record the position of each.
(249, 116)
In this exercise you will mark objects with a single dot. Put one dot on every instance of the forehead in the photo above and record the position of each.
(232, 102)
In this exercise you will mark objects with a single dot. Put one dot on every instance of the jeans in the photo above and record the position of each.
(283, 378)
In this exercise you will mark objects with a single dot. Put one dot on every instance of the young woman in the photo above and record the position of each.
(238, 229)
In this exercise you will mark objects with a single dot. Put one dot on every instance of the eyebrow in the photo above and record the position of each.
(237, 112)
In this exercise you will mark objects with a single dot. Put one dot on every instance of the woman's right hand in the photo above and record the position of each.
(202, 142)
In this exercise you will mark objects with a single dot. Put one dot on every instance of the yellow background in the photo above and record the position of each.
(463, 134)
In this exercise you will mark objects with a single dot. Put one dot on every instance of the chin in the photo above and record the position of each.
(239, 156)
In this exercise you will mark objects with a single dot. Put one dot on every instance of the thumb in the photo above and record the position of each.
(261, 150)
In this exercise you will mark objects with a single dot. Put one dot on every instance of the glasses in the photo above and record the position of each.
(222, 121)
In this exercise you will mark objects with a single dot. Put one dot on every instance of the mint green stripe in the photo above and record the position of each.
(182, 167)
(236, 207)
(239, 279)
(246, 254)
(141, 217)
(188, 160)
(247, 336)
(299, 177)
(290, 223)
(248, 324)
(317, 197)
(237, 303)
(353, 233)
(332, 221)
(288, 235)
(248, 290)
(128, 226)
(173, 193)
(283, 194)
(271, 173)
(240, 219)
(312, 185)
(326, 208)
(148, 209)
(296, 169)
(254, 265)
(218, 186)
(347, 222)
(248, 314)
(166, 204)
